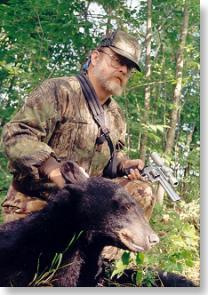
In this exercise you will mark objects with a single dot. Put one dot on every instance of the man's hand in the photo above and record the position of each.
(56, 177)
(132, 168)
(51, 168)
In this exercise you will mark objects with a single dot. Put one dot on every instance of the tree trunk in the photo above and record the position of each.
(109, 18)
(179, 73)
(177, 92)
(143, 140)
(189, 139)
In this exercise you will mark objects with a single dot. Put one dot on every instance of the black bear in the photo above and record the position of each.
(100, 208)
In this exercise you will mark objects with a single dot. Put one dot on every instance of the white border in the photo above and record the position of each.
(204, 199)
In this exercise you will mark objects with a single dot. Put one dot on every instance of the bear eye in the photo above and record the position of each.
(115, 205)
(126, 207)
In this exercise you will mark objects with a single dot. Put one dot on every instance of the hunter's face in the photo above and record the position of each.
(111, 71)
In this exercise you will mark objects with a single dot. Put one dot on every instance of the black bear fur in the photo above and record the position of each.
(102, 209)
(106, 214)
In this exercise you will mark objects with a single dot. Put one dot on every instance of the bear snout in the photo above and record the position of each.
(153, 239)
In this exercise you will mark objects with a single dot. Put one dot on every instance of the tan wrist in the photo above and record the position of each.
(49, 165)
(54, 173)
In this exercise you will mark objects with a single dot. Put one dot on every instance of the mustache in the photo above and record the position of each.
(121, 77)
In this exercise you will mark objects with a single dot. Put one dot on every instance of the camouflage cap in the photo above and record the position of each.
(125, 45)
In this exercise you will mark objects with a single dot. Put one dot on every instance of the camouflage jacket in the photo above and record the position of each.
(55, 121)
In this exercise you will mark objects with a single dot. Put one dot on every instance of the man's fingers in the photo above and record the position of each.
(139, 164)
(134, 174)
(135, 164)
(59, 181)
(56, 177)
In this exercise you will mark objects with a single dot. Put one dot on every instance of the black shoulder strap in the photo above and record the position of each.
(98, 115)
(95, 107)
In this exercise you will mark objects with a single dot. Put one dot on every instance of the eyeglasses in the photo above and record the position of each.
(116, 62)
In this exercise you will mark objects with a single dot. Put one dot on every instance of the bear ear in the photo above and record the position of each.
(73, 173)
(76, 189)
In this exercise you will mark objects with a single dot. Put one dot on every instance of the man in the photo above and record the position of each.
(56, 124)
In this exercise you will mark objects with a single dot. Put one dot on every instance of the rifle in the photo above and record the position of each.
(158, 171)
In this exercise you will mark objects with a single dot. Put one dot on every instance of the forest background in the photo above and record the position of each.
(43, 39)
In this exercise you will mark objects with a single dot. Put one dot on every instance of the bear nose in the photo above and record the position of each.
(153, 239)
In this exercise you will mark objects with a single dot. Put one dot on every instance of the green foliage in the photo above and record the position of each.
(179, 236)
(5, 178)
(40, 40)
(178, 250)
(45, 278)
(121, 264)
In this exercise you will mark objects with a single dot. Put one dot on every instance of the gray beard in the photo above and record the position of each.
(111, 86)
